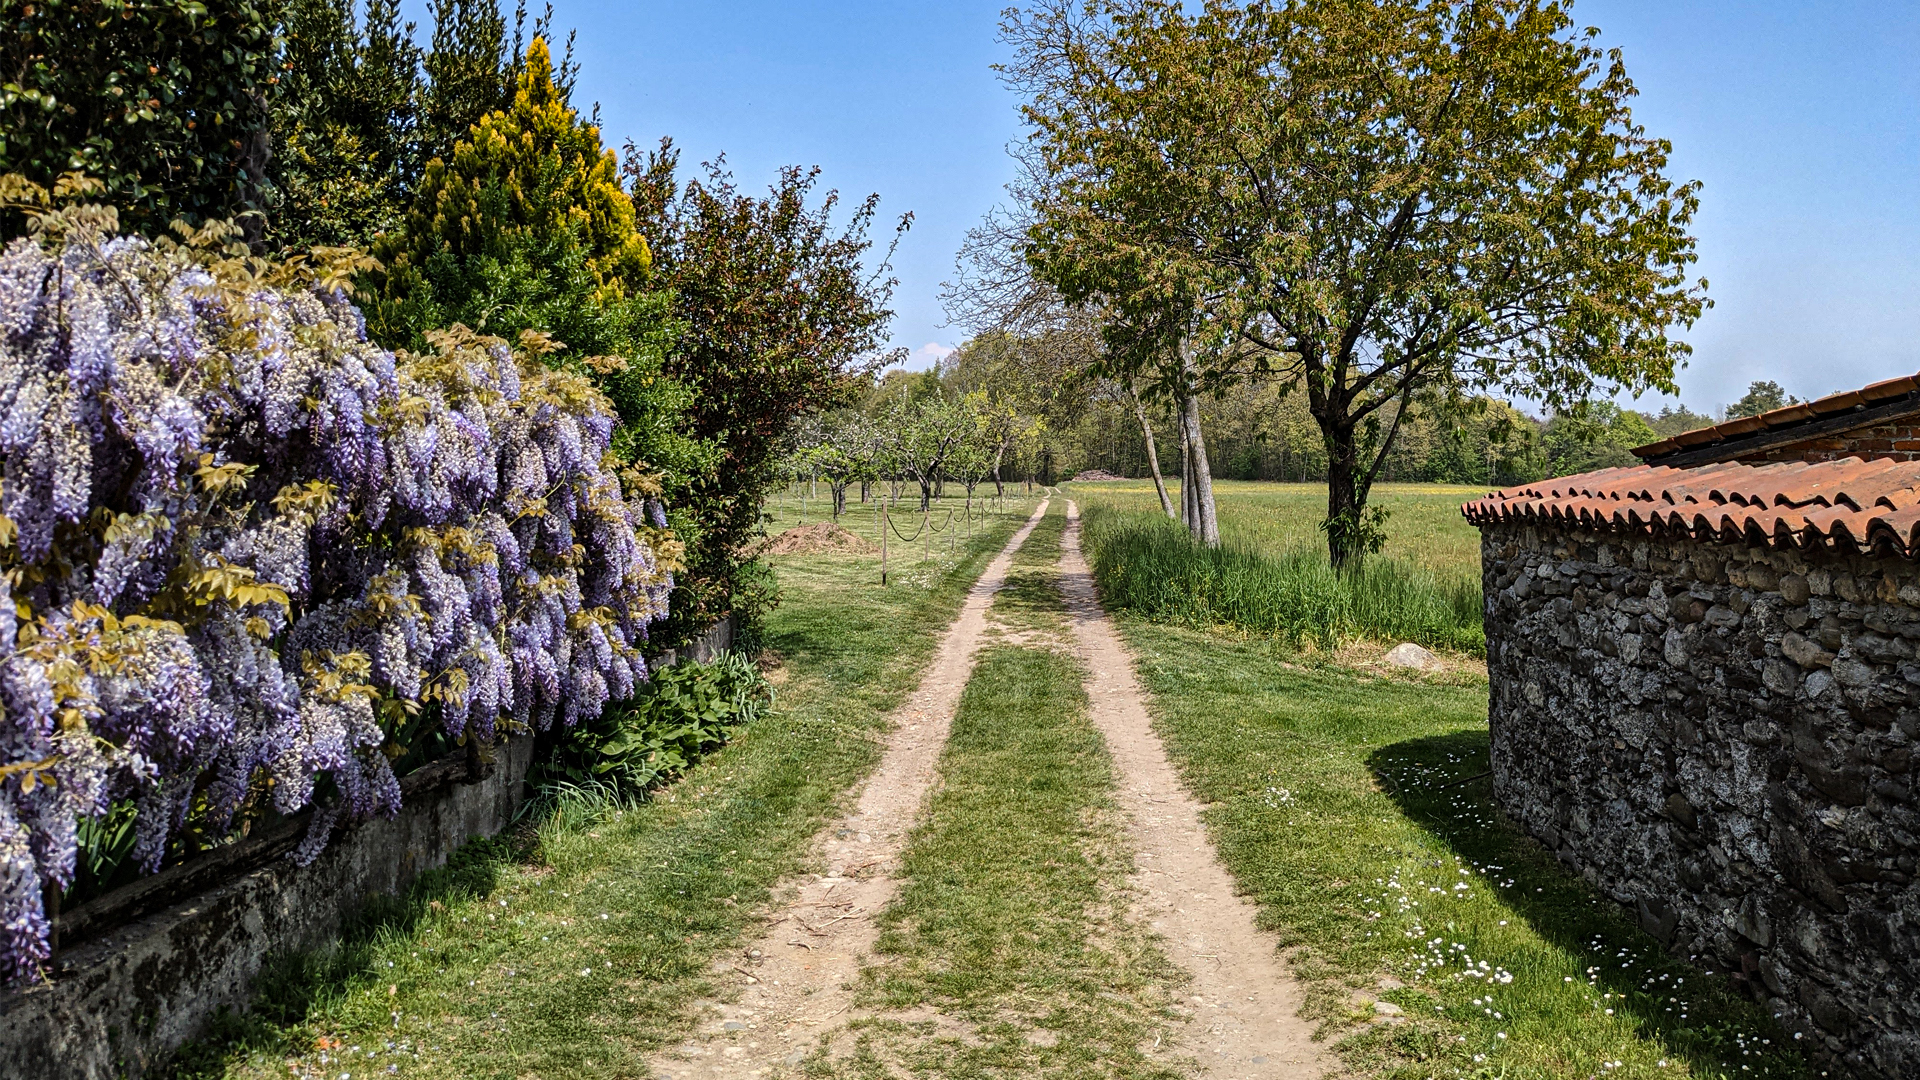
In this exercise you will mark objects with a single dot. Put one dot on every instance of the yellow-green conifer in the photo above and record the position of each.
(531, 182)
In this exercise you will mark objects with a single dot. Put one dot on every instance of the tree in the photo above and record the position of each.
(1377, 200)
(781, 315)
(1601, 435)
(1018, 385)
(1761, 397)
(1675, 419)
(164, 102)
(979, 452)
(843, 446)
(925, 434)
(364, 108)
(1033, 338)
(525, 228)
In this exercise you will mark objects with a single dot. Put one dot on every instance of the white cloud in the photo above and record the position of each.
(926, 356)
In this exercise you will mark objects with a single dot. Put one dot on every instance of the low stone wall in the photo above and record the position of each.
(149, 966)
(1721, 737)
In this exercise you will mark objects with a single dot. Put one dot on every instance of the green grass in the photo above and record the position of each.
(575, 946)
(1424, 526)
(1012, 915)
(1030, 600)
(1348, 808)
(1146, 564)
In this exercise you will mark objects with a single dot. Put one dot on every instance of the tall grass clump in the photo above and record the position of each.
(1148, 565)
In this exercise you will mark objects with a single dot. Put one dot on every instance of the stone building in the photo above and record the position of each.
(1706, 694)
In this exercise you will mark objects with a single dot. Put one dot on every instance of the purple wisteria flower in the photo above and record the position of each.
(240, 540)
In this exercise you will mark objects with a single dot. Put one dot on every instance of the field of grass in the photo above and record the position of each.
(1271, 575)
(574, 946)
(1424, 526)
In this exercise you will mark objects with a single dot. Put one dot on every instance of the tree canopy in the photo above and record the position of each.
(1379, 201)
(1761, 396)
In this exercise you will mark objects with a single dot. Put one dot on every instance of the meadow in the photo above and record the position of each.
(1271, 575)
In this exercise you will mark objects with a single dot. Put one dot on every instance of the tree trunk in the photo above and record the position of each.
(1343, 503)
(926, 493)
(839, 498)
(1186, 473)
(1206, 527)
(999, 455)
(1153, 458)
(866, 486)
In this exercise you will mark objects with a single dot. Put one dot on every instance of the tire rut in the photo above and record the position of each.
(1245, 1005)
(795, 982)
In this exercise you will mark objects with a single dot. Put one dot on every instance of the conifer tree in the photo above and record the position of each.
(525, 227)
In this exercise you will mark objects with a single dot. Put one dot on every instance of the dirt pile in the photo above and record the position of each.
(825, 538)
(1094, 475)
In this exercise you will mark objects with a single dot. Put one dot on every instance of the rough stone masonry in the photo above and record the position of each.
(1721, 735)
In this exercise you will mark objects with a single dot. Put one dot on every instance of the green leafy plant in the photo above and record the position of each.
(685, 713)
(166, 103)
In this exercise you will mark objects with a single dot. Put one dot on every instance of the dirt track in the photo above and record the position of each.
(795, 983)
(795, 980)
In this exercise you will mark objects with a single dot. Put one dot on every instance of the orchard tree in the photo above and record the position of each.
(924, 434)
(1379, 201)
(978, 453)
(844, 447)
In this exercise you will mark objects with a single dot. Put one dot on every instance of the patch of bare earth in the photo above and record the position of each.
(823, 538)
(1245, 1005)
(795, 982)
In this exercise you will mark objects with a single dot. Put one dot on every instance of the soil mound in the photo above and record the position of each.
(1091, 475)
(821, 539)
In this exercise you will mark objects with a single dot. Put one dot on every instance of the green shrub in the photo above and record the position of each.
(683, 714)
(1148, 565)
(164, 102)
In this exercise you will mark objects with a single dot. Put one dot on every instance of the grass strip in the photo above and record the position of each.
(576, 946)
(1146, 564)
(1346, 806)
(1030, 600)
(1012, 920)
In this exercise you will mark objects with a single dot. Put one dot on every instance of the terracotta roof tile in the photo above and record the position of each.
(1848, 504)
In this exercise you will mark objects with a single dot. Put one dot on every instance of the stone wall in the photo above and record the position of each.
(1721, 737)
(146, 968)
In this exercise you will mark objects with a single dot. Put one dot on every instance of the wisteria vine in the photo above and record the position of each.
(241, 543)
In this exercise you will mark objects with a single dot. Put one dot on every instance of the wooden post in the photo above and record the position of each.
(883, 542)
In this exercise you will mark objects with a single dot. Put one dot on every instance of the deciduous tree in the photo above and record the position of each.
(781, 308)
(1376, 199)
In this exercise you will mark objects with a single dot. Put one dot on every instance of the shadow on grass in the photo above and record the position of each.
(292, 988)
(1441, 784)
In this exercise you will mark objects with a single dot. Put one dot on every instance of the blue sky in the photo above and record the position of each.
(1802, 119)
